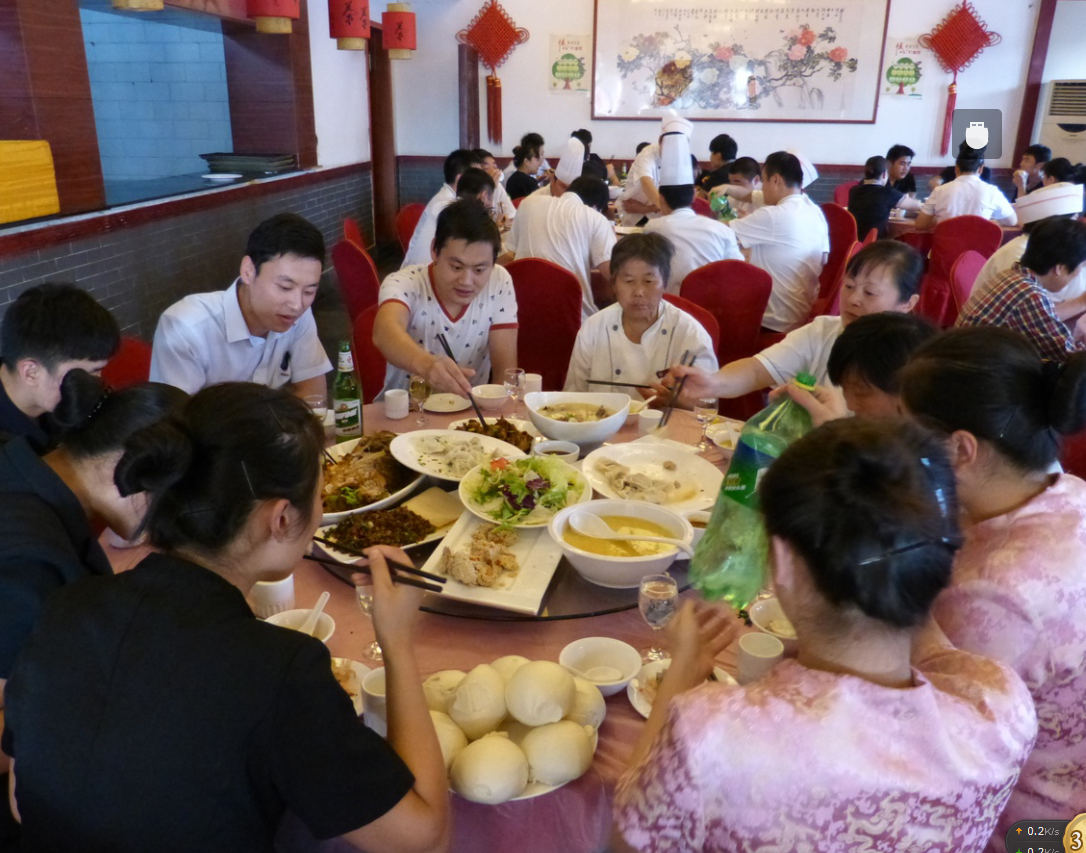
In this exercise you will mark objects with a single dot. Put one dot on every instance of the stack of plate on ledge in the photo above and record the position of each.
(262, 164)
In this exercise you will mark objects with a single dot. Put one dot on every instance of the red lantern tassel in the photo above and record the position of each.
(948, 121)
(494, 109)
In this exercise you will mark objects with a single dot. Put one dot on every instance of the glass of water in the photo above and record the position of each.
(420, 392)
(658, 599)
(705, 411)
(365, 603)
(514, 385)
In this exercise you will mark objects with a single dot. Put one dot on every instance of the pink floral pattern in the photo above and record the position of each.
(1019, 596)
(805, 760)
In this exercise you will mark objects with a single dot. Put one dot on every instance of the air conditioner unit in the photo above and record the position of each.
(1061, 121)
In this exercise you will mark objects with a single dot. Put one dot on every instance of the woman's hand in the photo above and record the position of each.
(696, 636)
(395, 606)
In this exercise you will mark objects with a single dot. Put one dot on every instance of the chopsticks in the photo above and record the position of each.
(403, 567)
(674, 398)
(618, 384)
(448, 351)
(329, 456)
(397, 578)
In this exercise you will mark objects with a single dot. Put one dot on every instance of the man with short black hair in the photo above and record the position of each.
(418, 249)
(722, 150)
(47, 331)
(966, 195)
(900, 159)
(261, 328)
(1030, 173)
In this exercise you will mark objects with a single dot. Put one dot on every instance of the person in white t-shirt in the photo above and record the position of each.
(966, 195)
(463, 295)
(639, 198)
(418, 249)
(884, 276)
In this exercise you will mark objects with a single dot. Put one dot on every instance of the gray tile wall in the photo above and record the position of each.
(419, 179)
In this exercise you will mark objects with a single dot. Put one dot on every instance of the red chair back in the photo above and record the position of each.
(549, 309)
(352, 233)
(518, 200)
(959, 234)
(841, 191)
(130, 365)
(963, 274)
(707, 320)
(919, 240)
(842, 227)
(368, 361)
(406, 220)
(1073, 454)
(701, 208)
(736, 294)
(357, 276)
(832, 304)
(871, 237)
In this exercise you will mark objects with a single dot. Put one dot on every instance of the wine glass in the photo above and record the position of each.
(514, 384)
(658, 600)
(705, 411)
(365, 603)
(420, 392)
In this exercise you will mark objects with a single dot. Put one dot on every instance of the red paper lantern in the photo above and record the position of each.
(398, 30)
(273, 16)
(349, 23)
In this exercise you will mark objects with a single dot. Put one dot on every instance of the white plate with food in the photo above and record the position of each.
(655, 473)
(445, 403)
(494, 426)
(642, 687)
(365, 477)
(509, 570)
(448, 454)
(523, 492)
(349, 673)
(725, 434)
(425, 518)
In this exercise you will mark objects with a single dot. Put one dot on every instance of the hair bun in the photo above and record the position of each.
(154, 458)
(80, 395)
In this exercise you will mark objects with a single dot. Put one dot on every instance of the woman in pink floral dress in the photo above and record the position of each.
(847, 747)
(1018, 593)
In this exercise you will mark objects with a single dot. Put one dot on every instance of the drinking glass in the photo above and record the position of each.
(705, 411)
(318, 404)
(658, 600)
(365, 603)
(514, 385)
(420, 392)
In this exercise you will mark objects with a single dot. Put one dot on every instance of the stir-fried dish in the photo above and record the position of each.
(502, 430)
(367, 474)
(398, 526)
(486, 560)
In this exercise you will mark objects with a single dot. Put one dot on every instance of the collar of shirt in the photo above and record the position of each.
(437, 299)
(236, 327)
(971, 176)
(682, 213)
(448, 192)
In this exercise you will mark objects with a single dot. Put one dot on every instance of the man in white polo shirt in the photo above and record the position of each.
(789, 239)
(562, 229)
(261, 328)
(418, 249)
(966, 195)
(640, 197)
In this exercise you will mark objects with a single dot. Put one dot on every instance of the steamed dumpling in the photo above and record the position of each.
(588, 709)
(491, 770)
(450, 736)
(515, 729)
(558, 752)
(478, 704)
(440, 687)
(540, 692)
(509, 664)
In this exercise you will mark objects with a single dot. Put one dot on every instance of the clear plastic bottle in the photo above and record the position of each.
(722, 207)
(730, 560)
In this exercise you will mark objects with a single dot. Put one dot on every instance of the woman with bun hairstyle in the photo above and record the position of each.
(522, 182)
(847, 741)
(1018, 592)
(198, 726)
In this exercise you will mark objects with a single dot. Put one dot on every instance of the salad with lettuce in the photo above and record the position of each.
(523, 492)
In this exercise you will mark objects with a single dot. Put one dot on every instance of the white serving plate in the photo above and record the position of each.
(473, 507)
(338, 451)
(523, 426)
(538, 789)
(637, 698)
(222, 177)
(360, 672)
(649, 459)
(444, 403)
(404, 449)
(537, 554)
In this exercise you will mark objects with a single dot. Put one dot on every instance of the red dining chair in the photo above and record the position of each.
(963, 275)
(1073, 454)
(518, 200)
(357, 276)
(707, 320)
(841, 191)
(406, 220)
(832, 304)
(919, 240)
(130, 365)
(352, 233)
(368, 361)
(549, 310)
(702, 208)
(871, 237)
(842, 228)
(736, 294)
(603, 292)
(953, 237)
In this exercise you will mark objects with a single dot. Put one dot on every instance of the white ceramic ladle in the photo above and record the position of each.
(592, 525)
(310, 623)
(597, 674)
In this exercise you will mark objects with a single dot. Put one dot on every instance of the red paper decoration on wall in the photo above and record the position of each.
(956, 42)
(494, 36)
(349, 23)
(398, 30)
(273, 16)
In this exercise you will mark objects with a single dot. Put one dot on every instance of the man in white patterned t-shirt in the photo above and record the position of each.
(462, 295)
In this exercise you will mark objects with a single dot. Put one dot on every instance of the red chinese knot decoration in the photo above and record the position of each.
(349, 23)
(273, 16)
(494, 36)
(956, 42)
(398, 30)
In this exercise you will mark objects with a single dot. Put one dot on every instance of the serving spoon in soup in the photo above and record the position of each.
(588, 524)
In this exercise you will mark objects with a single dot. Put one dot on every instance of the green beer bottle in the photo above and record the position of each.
(347, 396)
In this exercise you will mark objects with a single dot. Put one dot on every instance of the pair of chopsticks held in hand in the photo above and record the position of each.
(686, 361)
(448, 351)
(402, 573)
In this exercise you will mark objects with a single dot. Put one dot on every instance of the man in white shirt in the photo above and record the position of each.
(966, 195)
(562, 229)
(462, 295)
(418, 250)
(789, 239)
(640, 197)
(261, 328)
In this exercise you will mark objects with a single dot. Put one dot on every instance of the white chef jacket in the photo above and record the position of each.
(698, 240)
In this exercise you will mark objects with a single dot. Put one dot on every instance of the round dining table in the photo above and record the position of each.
(575, 818)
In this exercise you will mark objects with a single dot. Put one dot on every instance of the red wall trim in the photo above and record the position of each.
(1031, 92)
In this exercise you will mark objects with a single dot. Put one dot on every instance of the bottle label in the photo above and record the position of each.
(346, 361)
(746, 470)
(348, 417)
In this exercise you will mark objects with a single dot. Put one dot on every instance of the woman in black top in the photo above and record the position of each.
(197, 726)
(522, 182)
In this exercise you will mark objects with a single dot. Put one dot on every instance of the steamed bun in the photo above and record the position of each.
(588, 709)
(478, 704)
(558, 752)
(491, 770)
(509, 664)
(515, 729)
(450, 736)
(540, 692)
(439, 688)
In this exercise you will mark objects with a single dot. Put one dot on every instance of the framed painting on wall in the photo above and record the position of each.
(740, 60)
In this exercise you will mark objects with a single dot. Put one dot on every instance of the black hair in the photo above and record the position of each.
(473, 182)
(53, 323)
(522, 153)
(725, 146)
(678, 196)
(594, 168)
(875, 167)
(641, 146)
(1055, 241)
(94, 419)
(874, 349)
(1060, 169)
(652, 248)
(592, 191)
(992, 382)
(787, 166)
(585, 137)
(531, 140)
(969, 165)
(902, 261)
(208, 464)
(468, 220)
(1040, 153)
(896, 152)
(284, 234)
(871, 508)
(745, 167)
(458, 162)
(481, 155)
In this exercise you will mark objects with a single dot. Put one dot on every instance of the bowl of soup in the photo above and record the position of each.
(621, 564)
(582, 418)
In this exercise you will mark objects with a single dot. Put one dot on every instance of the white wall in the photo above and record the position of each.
(427, 103)
(340, 95)
(1066, 56)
